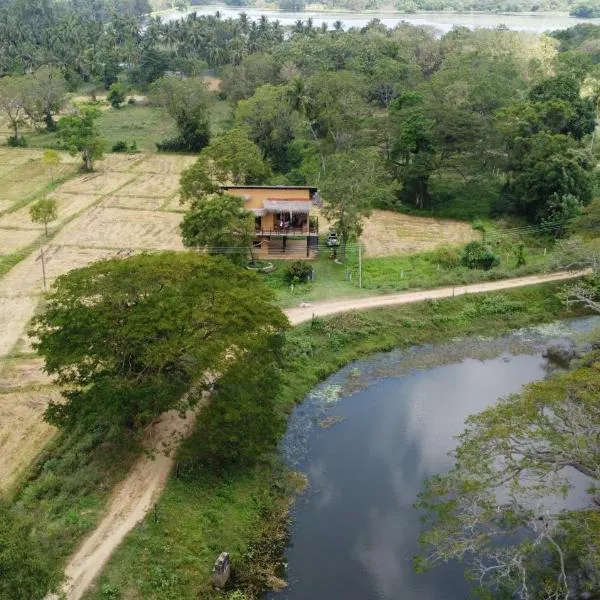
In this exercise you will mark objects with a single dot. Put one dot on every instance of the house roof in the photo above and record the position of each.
(312, 190)
(297, 206)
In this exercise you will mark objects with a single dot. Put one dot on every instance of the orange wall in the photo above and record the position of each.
(257, 197)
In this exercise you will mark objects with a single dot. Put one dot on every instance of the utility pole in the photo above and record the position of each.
(43, 267)
(359, 265)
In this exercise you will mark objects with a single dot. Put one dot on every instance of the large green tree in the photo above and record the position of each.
(502, 508)
(220, 223)
(230, 158)
(129, 339)
(270, 123)
(186, 101)
(353, 184)
(78, 133)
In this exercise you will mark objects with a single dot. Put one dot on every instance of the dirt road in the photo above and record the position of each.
(322, 309)
(142, 487)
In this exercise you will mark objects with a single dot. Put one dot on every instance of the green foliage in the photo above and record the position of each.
(16, 142)
(519, 448)
(122, 146)
(231, 157)
(220, 223)
(354, 183)
(240, 423)
(477, 255)
(300, 271)
(59, 500)
(79, 133)
(44, 211)
(270, 123)
(116, 95)
(246, 510)
(45, 95)
(119, 360)
(186, 101)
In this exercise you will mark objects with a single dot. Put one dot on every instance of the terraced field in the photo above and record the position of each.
(129, 205)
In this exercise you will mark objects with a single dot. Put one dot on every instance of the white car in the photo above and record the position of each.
(332, 239)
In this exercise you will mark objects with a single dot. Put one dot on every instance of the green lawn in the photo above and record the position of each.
(144, 125)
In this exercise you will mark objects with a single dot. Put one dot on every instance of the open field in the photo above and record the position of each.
(121, 209)
(137, 124)
(386, 233)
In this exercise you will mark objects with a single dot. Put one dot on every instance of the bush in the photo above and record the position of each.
(122, 146)
(16, 142)
(477, 255)
(300, 271)
(446, 257)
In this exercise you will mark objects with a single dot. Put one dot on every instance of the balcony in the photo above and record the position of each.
(289, 231)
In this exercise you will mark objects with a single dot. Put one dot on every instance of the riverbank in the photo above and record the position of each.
(442, 21)
(169, 555)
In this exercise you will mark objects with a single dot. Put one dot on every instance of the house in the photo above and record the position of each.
(284, 225)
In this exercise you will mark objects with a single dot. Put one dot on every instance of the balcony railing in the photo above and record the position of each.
(307, 229)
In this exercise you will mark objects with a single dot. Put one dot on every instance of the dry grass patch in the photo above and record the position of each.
(387, 233)
(133, 203)
(12, 240)
(152, 185)
(96, 183)
(165, 164)
(119, 228)
(15, 313)
(119, 162)
(22, 430)
(21, 373)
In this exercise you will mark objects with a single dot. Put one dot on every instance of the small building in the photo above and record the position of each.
(285, 225)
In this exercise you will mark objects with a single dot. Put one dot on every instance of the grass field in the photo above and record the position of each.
(140, 124)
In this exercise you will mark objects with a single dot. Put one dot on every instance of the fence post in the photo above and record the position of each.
(360, 265)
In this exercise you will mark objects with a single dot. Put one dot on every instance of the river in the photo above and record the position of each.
(369, 436)
(443, 22)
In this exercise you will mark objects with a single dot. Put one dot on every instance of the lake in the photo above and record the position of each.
(369, 436)
(443, 22)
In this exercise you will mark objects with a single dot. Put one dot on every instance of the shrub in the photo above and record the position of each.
(446, 257)
(120, 146)
(300, 271)
(16, 142)
(477, 255)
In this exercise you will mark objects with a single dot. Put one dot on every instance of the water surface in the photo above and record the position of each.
(368, 437)
(443, 22)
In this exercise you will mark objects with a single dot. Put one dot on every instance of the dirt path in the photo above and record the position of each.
(132, 499)
(321, 309)
(137, 493)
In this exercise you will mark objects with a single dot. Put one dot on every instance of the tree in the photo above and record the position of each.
(241, 423)
(116, 95)
(501, 507)
(45, 95)
(78, 133)
(270, 123)
(353, 184)
(232, 157)
(44, 211)
(187, 102)
(221, 223)
(51, 158)
(129, 339)
(12, 92)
